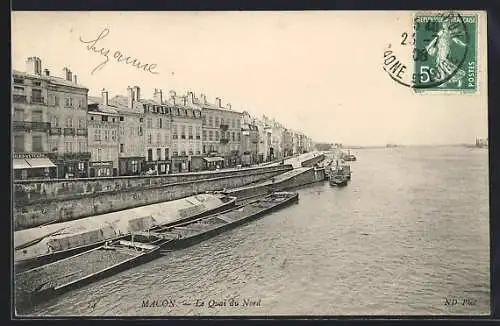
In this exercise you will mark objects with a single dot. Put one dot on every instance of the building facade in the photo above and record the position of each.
(157, 125)
(186, 131)
(221, 129)
(103, 126)
(49, 118)
(249, 139)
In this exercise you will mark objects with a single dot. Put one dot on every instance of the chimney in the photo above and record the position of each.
(34, 65)
(218, 102)
(75, 80)
(228, 106)
(190, 98)
(203, 99)
(172, 94)
(130, 97)
(137, 92)
(158, 96)
(104, 94)
(67, 74)
(46, 72)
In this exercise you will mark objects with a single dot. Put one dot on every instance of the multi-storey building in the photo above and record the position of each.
(131, 139)
(249, 138)
(49, 119)
(103, 123)
(186, 131)
(221, 128)
(156, 130)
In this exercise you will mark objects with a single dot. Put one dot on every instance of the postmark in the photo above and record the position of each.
(440, 54)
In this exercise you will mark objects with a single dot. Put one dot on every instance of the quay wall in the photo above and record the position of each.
(310, 162)
(308, 176)
(32, 191)
(53, 210)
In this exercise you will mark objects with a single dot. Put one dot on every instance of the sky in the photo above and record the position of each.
(317, 72)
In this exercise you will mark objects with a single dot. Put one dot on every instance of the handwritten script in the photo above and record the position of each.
(117, 55)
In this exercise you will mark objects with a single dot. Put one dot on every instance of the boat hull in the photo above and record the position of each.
(192, 240)
(27, 299)
(26, 264)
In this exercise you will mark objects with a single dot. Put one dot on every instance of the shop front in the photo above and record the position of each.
(28, 166)
(234, 159)
(101, 169)
(131, 165)
(214, 162)
(157, 167)
(180, 164)
(71, 165)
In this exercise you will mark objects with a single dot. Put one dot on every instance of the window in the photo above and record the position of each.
(104, 118)
(106, 135)
(150, 138)
(82, 146)
(113, 134)
(204, 149)
(174, 131)
(210, 121)
(19, 143)
(68, 102)
(141, 119)
(150, 154)
(122, 118)
(19, 90)
(183, 132)
(56, 100)
(99, 156)
(233, 124)
(18, 81)
(204, 121)
(37, 116)
(158, 138)
(210, 135)
(159, 123)
(114, 120)
(216, 135)
(190, 132)
(204, 135)
(239, 136)
(68, 147)
(167, 154)
(158, 154)
(190, 151)
(238, 123)
(36, 145)
(69, 122)
(92, 118)
(97, 134)
(197, 132)
(18, 114)
(80, 103)
(167, 138)
(36, 83)
(53, 145)
(81, 123)
(216, 121)
(140, 131)
(54, 121)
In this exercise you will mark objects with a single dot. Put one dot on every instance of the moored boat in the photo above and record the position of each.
(68, 240)
(338, 180)
(46, 281)
(348, 157)
(182, 236)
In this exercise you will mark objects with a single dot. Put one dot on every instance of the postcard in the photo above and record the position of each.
(250, 163)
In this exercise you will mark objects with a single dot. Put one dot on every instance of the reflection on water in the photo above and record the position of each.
(409, 234)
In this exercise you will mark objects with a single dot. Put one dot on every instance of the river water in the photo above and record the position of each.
(408, 236)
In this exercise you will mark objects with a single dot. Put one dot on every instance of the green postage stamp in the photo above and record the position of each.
(445, 52)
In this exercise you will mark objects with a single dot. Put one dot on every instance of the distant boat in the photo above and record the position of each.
(348, 157)
(339, 175)
(391, 145)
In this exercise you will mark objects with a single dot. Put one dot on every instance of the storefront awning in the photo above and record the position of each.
(20, 163)
(213, 159)
(37, 163)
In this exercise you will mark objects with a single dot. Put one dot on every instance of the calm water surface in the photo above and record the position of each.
(411, 229)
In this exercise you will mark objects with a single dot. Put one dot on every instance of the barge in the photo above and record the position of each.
(187, 234)
(47, 281)
(63, 242)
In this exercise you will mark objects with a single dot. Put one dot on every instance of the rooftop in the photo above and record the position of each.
(50, 79)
